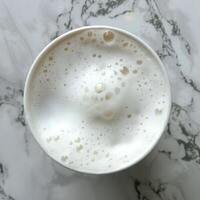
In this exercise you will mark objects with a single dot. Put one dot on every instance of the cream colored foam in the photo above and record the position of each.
(99, 100)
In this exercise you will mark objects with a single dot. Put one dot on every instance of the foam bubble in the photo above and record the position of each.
(158, 111)
(50, 58)
(90, 34)
(100, 87)
(139, 62)
(108, 36)
(64, 158)
(79, 148)
(129, 115)
(108, 95)
(124, 70)
(125, 44)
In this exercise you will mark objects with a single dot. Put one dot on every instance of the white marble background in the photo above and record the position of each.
(172, 170)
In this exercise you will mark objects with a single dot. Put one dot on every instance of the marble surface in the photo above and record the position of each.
(172, 170)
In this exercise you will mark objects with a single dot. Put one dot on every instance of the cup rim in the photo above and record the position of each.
(59, 39)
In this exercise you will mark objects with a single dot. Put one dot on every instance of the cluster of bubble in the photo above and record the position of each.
(113, 84)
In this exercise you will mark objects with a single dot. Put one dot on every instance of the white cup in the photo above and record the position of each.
(29, 88)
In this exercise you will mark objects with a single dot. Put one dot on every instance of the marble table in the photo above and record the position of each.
(172, 170)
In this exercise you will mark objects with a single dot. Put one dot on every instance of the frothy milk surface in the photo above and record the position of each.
(98, 100)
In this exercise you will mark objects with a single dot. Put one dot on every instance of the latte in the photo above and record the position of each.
(99, 99)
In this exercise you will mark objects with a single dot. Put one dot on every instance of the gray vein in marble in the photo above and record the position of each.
(5, 196)
(156, 19)
(12, 96)
(155, 190)
(180, 122)
(103, 8)
(3, 173)
(125, 11)
(3, 176)
(65, 18)
(177, 32)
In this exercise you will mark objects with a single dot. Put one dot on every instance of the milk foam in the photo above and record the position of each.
(99, 100)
